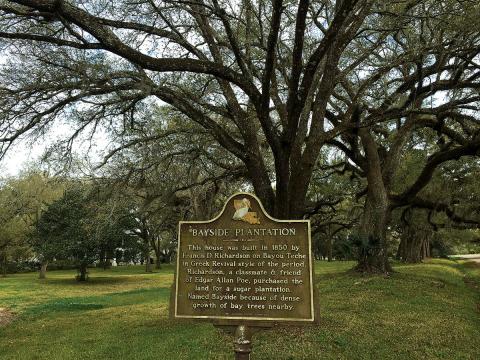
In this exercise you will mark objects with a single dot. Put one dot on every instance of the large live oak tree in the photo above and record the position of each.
(432, 98)
(268, 80)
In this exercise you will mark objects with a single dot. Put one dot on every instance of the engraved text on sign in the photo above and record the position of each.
(244, 265)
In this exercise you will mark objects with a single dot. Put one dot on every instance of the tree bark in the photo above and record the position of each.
(373, 256)
(329, 249)
(106, 265)
(426, 249)
(261, 183)
(158, 262)
(400, 249)
(148, 265)
(83, 272)
(4, 270)
(158, 253)
(168, 256)
(414, 245)
(329, 244)
(43, 270)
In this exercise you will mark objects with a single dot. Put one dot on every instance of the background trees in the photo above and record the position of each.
(84, 226)
(63, 230)
(22, 201)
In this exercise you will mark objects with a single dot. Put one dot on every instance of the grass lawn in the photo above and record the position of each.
(426, 311)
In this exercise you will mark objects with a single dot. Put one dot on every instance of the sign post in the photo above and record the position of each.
(245, 269)
(242, 343)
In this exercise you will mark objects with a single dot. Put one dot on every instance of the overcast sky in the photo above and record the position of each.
(18, 158)
(23, 154)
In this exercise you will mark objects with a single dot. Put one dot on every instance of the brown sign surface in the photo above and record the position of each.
(245, 265)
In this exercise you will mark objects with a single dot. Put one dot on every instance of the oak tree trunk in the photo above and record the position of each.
(426, 249)
(414, 245)
(148, 265)
(373, 255)
(158, 253)
(43, 270)
(4, 267)
(330, 249)
(83, 272)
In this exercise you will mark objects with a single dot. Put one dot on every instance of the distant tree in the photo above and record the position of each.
(444, 209)
(337, 212)
(86, 225)
(41, 190)
(416, 236)
(111, 223)
(62, 231)
(9, 220)
(22, 200)
(82, 227)
(13, 242)
(161, 188)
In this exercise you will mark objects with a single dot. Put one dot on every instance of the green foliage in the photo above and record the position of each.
(22, 200)
(343, 249)
(111, 223)
(61, 230)
(456, 184)
(364, 246)
(84, 226)
(441, 247)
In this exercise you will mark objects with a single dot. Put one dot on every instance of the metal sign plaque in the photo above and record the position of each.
(245, 265)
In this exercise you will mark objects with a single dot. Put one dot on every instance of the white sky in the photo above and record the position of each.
(23, 154)
(19, 157)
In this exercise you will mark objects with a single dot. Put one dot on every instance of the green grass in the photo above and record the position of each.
(426, 311)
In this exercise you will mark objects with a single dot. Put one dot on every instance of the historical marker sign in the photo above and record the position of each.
(245, 265)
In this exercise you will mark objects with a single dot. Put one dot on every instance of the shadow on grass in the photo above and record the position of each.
(87, 303)
(472, 265)
(67, 305)
(331, 276)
